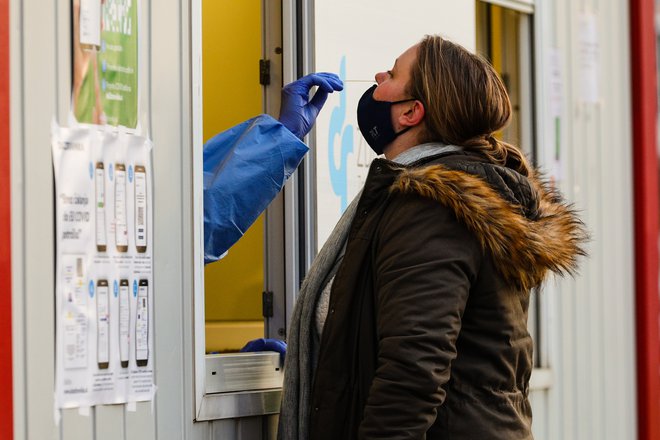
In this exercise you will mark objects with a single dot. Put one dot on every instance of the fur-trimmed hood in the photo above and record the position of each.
(523, 222)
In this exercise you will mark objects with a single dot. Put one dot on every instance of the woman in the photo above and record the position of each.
(412, 322)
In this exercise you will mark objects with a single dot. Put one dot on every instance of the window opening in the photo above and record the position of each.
(503, 37)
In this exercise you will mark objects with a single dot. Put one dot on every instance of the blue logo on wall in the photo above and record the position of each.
(116, 288)
(135, 288)
(91, 289)
(339, 174)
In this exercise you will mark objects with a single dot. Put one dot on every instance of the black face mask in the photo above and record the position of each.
(375, 120)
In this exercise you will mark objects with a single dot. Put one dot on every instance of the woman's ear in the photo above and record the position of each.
(412, 114)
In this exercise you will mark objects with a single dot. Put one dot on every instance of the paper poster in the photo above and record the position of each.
(555, 85)
(589, 59)
(556, 101)
(104, 283)
(90, 22)
(105, 58)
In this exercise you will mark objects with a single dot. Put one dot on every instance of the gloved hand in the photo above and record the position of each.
(263, 344)
(297, 111)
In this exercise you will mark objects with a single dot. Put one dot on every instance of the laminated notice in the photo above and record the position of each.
(104, 288)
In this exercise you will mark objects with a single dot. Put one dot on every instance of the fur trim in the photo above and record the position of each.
(524, 249)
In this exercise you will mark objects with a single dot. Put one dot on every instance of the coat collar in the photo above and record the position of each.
(526, 242)
(424, 151)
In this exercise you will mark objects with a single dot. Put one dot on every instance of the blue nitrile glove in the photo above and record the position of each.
(298, 112)
(266, 345)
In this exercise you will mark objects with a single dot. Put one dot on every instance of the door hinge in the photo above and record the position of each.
(264, 72)
(267, 304)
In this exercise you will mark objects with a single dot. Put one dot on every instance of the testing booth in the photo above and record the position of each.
(112, 103)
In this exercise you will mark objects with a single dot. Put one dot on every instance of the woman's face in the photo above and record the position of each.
(392, 83)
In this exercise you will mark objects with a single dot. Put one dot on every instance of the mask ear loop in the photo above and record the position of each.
(403, 100)
(399, 133)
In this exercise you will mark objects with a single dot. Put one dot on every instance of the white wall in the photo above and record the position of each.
(40, 79)
(356, 39)
(590, 319)
(32, 239)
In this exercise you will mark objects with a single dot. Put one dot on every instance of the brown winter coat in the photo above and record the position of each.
(426, 335)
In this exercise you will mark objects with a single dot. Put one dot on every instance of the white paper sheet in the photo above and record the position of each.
(104, 286)
(589, 60)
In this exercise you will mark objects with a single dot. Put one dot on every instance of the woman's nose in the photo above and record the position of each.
(380, 76)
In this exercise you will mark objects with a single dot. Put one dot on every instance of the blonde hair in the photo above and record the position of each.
(465, 101)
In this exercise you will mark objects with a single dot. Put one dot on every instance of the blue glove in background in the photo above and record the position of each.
(266, 345)
(298, 112)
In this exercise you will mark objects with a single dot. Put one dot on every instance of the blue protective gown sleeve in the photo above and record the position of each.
(244, 169)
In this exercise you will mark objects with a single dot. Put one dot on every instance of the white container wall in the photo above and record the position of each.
(589, 320)
(587, 326)
(41, 91)
(384, 29)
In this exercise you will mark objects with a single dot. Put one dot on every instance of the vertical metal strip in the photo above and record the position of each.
(274, 253)
(6, 379)
(644, 113)
(309, 194)
(291, 230)
(301, 172)
(199, 365)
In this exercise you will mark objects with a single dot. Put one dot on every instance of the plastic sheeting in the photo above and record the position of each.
(244, 169)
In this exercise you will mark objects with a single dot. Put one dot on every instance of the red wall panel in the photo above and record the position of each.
(645, 160)
(6, 385)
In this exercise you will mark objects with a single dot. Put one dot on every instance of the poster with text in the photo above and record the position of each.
(104, 284)
(105, 62)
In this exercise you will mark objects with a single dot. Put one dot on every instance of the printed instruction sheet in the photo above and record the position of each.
(104, 288)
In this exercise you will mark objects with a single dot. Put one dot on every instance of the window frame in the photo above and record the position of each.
(280, 274)
(528, 91)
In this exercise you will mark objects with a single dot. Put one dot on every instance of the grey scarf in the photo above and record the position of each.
(302, 349)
